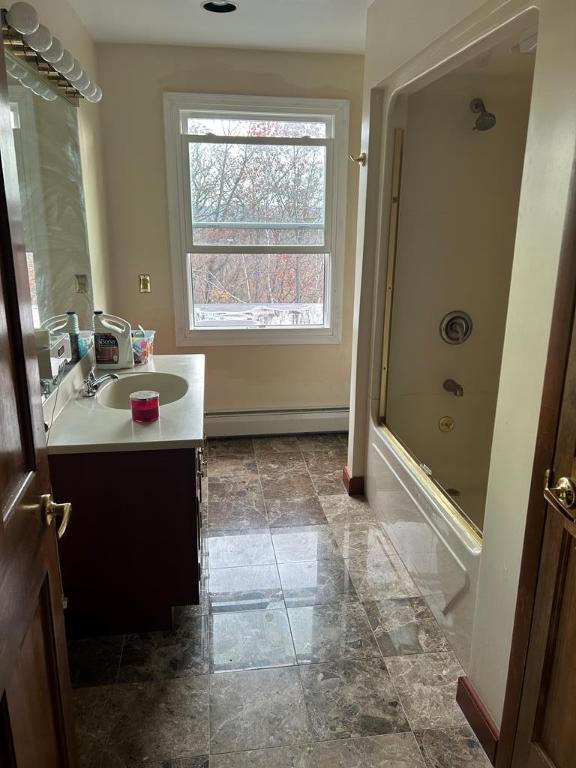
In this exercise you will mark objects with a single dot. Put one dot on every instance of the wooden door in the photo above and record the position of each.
(546, 733)
(35, 704)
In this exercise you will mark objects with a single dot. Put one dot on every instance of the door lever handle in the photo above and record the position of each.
(564, 492)
(51, 511)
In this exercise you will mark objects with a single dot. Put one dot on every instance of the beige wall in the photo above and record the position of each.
(550, 150)
(458, 209)
(64, 22)
(134, 78)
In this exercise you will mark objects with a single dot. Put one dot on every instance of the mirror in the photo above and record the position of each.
(46, 141)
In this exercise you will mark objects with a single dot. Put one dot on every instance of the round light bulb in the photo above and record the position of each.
(87, 88)
(82, 82)
(54, 53)
(40, 40)
(23, 18)
(75, 73)
(66, 63)
(94, 97)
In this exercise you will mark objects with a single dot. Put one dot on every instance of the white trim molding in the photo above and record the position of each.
(279, 422)
(336, 114)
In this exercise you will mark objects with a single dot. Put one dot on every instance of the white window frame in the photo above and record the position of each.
(337, 110)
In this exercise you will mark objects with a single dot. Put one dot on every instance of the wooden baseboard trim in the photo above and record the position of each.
(479, 719)
(354, 485)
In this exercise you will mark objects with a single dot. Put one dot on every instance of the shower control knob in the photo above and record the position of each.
(456, 327)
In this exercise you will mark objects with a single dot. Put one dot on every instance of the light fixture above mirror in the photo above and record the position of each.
(34, 44)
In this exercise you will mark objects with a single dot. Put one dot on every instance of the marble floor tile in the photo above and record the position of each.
(309, 542)
(405, 626)
(351, 698)
(426, 685)
(347, 509)
(394, 750)
(332, 633)
(227, 445)
(202, 761)
(320, 462)
(154, 721)
(257, 709)
(244, 588)
(236, 515)
(227, 490)
(280, 444)
(329, 483)
(228, 549)
(452, 748)
(322, 442)
(361, 539)
(93, 723)
(286, 484)
(94, 660)
(316, 582)
(377, 578)
(271, 464)
(235, 504)
(295, 512)
(251, 640)
(152, 656)
(232, 466)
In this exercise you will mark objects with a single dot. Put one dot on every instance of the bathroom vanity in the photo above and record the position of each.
(132, 549)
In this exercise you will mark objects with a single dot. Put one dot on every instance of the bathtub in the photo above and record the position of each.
(437, 544)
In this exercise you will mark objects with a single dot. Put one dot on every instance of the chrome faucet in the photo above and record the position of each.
(92, 384)
(452, 386)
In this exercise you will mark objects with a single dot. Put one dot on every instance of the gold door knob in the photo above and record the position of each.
(51, 510)
(564, 491)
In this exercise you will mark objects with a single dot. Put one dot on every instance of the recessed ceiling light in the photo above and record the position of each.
(220, 6)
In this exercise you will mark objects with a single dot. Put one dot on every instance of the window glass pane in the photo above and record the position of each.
(246, 194)
(258, 126)
(257, 290)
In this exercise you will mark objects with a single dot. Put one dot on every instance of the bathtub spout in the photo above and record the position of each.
(452, 386)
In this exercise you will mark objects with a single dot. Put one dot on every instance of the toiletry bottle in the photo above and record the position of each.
(112, 341)
(73, 330)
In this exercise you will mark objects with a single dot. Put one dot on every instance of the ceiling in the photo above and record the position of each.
(295, 25)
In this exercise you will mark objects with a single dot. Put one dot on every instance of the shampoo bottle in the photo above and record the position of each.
(112, 341)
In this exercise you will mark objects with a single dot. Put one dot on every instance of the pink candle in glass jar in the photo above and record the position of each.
(145, 406)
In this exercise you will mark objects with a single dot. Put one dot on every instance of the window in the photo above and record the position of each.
(257, 197)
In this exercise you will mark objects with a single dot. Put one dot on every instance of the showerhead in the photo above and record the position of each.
(485, 120)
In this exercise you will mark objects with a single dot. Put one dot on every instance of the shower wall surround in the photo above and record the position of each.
(457, 224)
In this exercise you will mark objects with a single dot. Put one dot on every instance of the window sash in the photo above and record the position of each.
(280, 116)
(327, 295)
(178, 108)
(191, 247)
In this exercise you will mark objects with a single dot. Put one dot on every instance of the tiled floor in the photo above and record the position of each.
(312, 647)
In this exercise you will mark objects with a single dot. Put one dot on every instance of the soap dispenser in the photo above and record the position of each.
(112, 341)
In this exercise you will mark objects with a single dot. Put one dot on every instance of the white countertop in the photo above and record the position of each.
(86, 426)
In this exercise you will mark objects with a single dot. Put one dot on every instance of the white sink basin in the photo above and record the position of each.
(117, 393)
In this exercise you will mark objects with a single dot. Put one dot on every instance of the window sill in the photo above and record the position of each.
(258, 337)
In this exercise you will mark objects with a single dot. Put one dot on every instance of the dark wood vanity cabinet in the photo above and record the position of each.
(132, 549)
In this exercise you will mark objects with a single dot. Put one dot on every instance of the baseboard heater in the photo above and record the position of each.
(276, 422)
